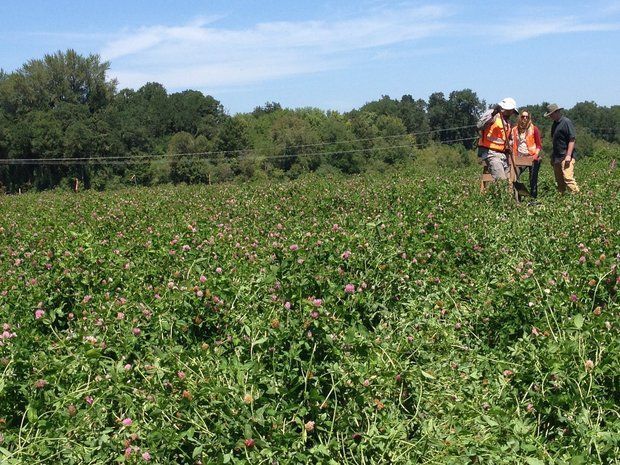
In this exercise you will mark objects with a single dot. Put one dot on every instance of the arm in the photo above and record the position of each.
(571, 143)
(538, 142)
(569, 151)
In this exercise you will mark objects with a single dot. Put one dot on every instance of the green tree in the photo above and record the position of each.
(413, 115)
(595, 120)
(43, 84)
(269, 107)
(454, 119)
(195, 113)
(233, 137)
(154, 111)
(4, 151)
(384, 106)
(294, 142)
(344, 152)
(81, 142)
(187, 160)
(394, 145)
(18, 140)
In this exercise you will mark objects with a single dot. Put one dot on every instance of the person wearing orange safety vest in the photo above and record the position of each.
(494, 142)
(526, 143)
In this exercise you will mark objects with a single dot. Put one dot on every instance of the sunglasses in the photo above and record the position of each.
(525, 117)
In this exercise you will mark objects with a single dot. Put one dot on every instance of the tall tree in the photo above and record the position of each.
(152, 103)
(454, 119)
(384, 106)
(293, 138)
(196, 113)
(42, 84)
(413, 115)
(340, 145)
(233, 137)
(269, 107)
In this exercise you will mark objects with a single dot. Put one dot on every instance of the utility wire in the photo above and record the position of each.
(104, 161)
(241, 154)
(225, 152)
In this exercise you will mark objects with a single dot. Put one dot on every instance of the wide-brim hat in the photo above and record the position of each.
(552, 108)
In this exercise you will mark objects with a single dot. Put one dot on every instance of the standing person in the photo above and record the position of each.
(493, 145)
(563, 157)
(526, 143)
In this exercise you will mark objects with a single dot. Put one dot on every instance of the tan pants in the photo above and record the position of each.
(565, 176)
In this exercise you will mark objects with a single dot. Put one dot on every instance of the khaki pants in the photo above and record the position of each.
(565, 176)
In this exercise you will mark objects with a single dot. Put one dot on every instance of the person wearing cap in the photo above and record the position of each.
(526, 142)
(563, 156)
(493, 145)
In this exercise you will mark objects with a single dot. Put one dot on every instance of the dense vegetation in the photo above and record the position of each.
(396, 318)
(392, 315)
(62, 119)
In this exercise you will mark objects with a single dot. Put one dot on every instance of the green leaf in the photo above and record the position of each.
(427, 374)
(31, 414)
(93, 353)
(577, 460)
(534, 461)
(578, 321)
(197, 452)
(320, 449)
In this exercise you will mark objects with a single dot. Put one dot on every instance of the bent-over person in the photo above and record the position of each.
(493, 145)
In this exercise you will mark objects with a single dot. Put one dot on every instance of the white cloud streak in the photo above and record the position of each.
(532, 28)
(201, 55)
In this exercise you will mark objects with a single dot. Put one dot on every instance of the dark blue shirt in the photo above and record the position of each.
(562, 132)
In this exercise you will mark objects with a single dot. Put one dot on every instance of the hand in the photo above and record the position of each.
(567, 160)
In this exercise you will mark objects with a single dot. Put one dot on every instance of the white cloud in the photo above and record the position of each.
(532, 28)
(206, 55)
(203, 55)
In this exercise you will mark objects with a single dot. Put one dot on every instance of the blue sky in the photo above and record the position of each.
(333, 54)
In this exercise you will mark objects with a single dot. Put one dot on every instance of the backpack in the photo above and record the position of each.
(486, 118)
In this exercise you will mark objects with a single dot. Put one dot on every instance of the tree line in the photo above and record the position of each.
(62, 119)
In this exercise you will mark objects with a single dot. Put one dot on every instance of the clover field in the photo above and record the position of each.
(395, 318)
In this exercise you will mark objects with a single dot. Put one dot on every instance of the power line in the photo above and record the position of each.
(123, 160)
(142, 160)
(221, 152)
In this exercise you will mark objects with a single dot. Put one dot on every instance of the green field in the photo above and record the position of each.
(395, 318)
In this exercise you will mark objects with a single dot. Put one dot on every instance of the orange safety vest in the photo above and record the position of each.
(529, 141)
(495, 136)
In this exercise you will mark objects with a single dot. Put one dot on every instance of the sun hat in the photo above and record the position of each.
(508, 104)
(552, 108)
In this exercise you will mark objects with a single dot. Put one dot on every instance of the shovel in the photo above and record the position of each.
(521, 189)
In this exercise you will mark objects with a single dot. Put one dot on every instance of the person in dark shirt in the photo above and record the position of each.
(563, 156)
